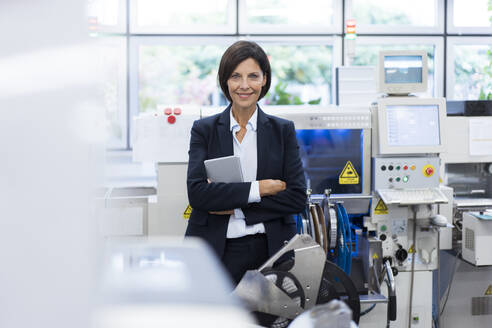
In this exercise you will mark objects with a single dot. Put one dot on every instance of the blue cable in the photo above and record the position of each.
(341, 258)
(349, 240)
(300, 227)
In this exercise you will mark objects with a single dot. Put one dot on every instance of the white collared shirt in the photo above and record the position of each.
(248, 155)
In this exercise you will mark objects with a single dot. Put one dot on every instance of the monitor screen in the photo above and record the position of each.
(402, 72)
(413, 125)
(325, 153)
(410, 125)
(403, 69)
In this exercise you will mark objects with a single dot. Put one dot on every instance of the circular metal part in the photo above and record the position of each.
(289, 284)
(335, 283)
(332, 235)
(401, 254)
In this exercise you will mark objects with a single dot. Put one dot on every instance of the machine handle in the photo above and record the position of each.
(390, 280)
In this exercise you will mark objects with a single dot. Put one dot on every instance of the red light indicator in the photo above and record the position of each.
(171, 119)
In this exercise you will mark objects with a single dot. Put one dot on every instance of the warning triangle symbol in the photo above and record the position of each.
(381, 206)
(489, 290)
(349, 171)
(411, 249)
(187, 212)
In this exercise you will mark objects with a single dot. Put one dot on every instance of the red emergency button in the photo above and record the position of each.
(428, 170)
(405, 167)
(177, 111)
(168, 111)
(171, 119)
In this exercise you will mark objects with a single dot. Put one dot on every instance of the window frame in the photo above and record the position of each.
(334, 41)
(396, 30)
(137, 41)
(120, 27)
(452, 29)
(259, 29)
(459, 40)
(198, 29)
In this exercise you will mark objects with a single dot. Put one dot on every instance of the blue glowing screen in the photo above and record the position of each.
(325, 153)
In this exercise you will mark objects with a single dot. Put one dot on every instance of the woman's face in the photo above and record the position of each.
(245, 84)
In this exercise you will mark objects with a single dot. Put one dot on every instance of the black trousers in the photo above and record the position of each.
(245, 253)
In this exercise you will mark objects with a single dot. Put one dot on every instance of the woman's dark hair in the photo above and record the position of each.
(237, 53)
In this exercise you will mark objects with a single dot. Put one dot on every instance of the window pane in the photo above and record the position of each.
(112, 56)
(182, 16)
(290, 12)
(473, 71)
(107, 15)
(174, 74)
(477, 13)
(369, 55)
(300, 73)
(394, 12)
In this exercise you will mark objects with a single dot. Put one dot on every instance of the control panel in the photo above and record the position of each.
(405, 172)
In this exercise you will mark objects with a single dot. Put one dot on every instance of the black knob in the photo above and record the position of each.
(401, 255)
(383, 168)
(395, 271)
(390, 167)
(382, 237)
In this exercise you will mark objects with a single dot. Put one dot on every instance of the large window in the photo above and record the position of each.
(183, 17)
(465, 16)
(397, 16)
(163, 52)
(289, 16)
(175, 71)
(469, 68)
(302, 70)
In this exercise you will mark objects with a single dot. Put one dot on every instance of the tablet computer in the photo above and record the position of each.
(224, 169)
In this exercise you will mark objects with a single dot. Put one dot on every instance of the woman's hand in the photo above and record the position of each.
(271, 187)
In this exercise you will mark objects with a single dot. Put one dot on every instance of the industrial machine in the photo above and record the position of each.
(283, 289)
(378, 214)
(466, 269)
(159, 282)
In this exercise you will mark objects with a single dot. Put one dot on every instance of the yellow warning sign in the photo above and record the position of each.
(349, 175)
(411, 250)
(375, 256)
(381, 208)
(488, 291)
(187, 212)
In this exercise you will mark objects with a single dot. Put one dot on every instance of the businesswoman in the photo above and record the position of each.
(246, 222)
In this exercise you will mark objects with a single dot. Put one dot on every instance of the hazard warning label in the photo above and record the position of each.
(187, 212)
(349, 175)
(381, 208)
(411, 250)
(488, 291)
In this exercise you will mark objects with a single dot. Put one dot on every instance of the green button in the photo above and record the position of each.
(398, 167)
(405, 178)
(398, 179)
(383, 227)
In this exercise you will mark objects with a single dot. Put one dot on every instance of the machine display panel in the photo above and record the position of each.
(403, 69)
(410, 125)
(413, 125)
(325, 153)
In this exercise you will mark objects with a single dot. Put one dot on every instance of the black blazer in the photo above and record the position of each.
(278, 158)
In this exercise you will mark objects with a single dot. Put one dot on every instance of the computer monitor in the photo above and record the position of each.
(408, 125)
(402, 72)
